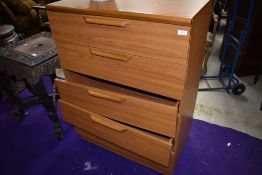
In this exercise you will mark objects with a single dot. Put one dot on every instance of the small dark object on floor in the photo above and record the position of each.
(256, 78)
(1, 95)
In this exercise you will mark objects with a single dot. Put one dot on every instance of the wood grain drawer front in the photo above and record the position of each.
(159, 77)
(148, 39)
(137, 111)
(153, 147)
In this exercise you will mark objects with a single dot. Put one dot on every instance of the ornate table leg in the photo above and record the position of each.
(1, 95)
(18, 106)
(46, 101)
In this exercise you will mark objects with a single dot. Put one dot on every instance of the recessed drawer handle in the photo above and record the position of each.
(107, 122)
(106, 96)
(110, 54)
(105, 21)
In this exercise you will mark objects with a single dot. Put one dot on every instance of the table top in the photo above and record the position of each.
(166, 11)
(31, 51)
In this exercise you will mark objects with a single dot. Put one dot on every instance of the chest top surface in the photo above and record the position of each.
(166, 11)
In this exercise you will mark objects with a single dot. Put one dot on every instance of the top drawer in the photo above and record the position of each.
(148, 39)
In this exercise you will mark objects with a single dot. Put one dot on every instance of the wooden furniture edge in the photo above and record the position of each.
(196, 51)
(78, 78)
(123, 152)
(198, 35)
(127, 15)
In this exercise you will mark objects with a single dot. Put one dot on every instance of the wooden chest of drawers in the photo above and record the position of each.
(131, 73)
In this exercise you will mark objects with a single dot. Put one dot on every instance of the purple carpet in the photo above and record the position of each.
(31, 148)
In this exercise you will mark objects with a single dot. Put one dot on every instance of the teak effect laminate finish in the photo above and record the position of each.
(123, 152)
(124, 136)
(195, 58)
(121, 106)
(159, 77)
(147, 39)
(165, 11)
(113, 56)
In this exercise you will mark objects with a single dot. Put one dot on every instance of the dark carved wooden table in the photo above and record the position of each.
(28, 60)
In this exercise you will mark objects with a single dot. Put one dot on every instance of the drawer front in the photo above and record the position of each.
(138, 111)
(148, 39)
(147, 145)
(159, 77)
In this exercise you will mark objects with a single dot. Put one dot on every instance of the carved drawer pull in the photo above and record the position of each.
(106, 21)
(107, 122)
(106, 96)
(110, 54)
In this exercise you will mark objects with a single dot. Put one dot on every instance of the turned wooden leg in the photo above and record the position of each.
(46, 101)
(18, 106)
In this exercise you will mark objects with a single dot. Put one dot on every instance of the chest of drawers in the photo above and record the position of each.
(131, 73)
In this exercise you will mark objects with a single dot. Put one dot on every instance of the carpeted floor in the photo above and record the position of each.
(31, 148)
